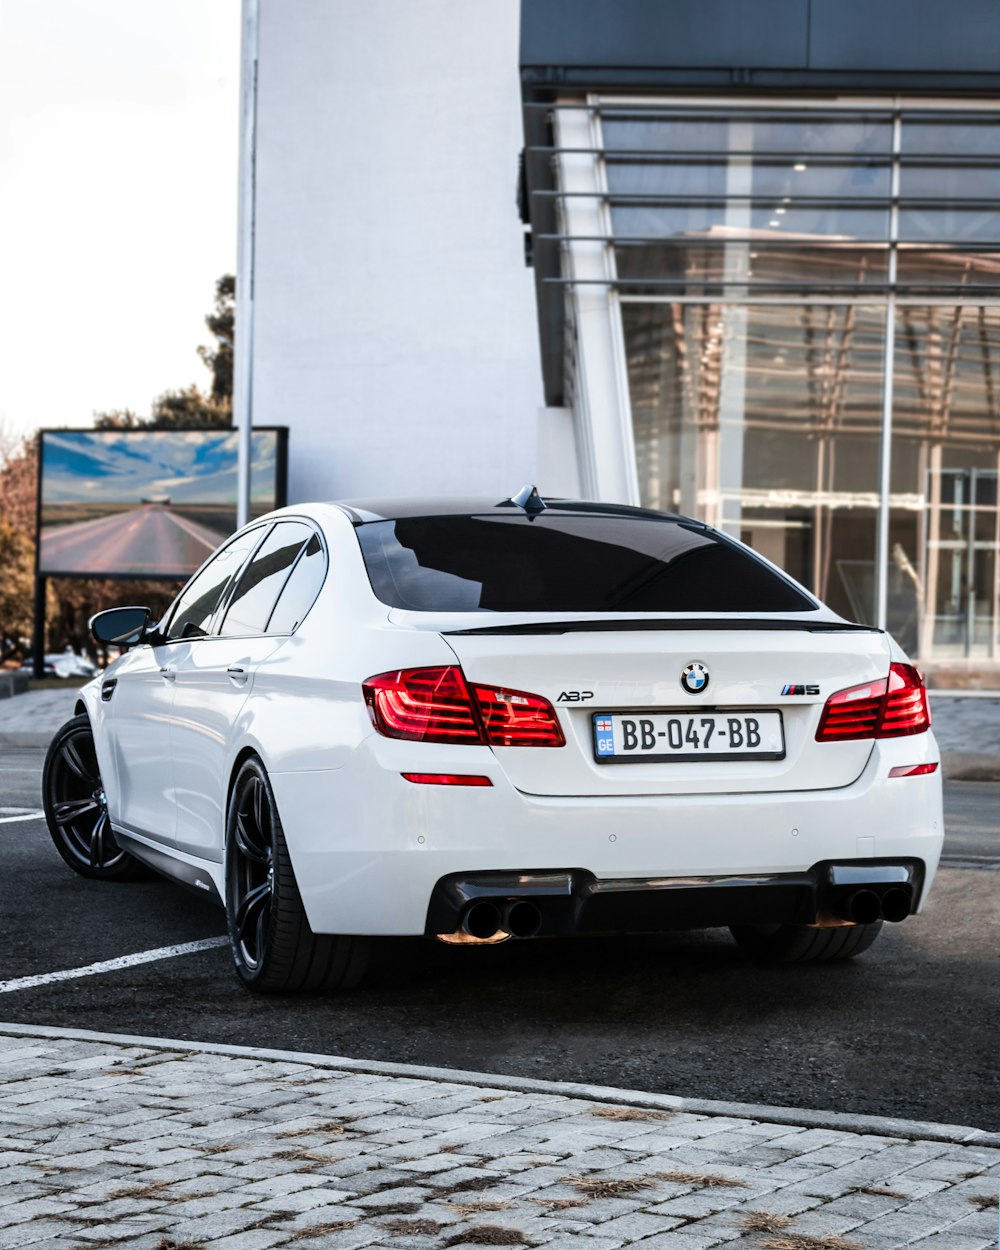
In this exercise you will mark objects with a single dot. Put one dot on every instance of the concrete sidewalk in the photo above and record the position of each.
(967, 726)
(172, 1146)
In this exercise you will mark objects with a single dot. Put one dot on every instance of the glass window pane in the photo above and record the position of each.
(798, 135)
(766, 419)
(740, 218)
(795, 179)
(952, 225)
(263, 579)
(945, 454)
(957, 137)
(955, 182)
(697, 264)
(300, 590)
(195, 606)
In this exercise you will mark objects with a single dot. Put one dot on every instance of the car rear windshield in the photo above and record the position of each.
(567, 563)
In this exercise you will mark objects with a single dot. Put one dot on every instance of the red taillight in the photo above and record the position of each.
(906, 709)
(515, 719)
(423, 704)
(436, 705)
(446, 779)
(889, 708)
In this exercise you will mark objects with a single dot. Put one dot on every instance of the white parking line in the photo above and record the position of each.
(112, 965)
(24, 814)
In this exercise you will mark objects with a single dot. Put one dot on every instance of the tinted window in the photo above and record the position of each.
(300, 590)
(263, 578)
(199, 599)
(560, 563)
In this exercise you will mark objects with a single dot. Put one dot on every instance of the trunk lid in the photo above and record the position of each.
(613, 667)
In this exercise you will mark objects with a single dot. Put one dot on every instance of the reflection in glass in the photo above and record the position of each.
(945, 455)
(766, 419)
(751, 251)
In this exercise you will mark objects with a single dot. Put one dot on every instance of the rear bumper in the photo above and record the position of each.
(370, 848)
(564, 902)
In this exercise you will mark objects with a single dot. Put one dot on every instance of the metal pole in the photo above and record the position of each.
(38, 632)
(885, 455)
(243, 354)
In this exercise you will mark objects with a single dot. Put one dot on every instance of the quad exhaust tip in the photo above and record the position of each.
(481, 920)
(522, 919)
(866, 906)
(518, 919)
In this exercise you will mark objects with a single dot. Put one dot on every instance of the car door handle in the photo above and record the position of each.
(168, 674)
(237, 674)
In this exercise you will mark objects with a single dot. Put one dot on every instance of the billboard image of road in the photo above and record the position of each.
(146, 503)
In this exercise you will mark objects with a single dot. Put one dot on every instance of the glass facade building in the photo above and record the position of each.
(783, 316)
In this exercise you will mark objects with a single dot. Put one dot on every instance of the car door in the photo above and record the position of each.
(214, 679)
(142, 698)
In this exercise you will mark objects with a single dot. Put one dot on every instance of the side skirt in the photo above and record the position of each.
(193, 874)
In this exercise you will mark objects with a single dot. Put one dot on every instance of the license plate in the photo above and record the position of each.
(645, 738)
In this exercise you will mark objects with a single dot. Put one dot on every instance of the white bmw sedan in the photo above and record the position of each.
(479, 720)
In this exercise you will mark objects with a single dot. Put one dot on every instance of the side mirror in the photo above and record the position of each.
(120, 627)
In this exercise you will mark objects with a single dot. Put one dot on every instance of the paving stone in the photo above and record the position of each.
(104, 1128)
(252, 1239)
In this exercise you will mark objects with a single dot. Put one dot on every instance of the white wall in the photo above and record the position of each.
(395, 326)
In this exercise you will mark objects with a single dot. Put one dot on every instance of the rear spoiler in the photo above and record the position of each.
(689, 623)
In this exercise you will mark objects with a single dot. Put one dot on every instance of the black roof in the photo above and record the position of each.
(363, 511)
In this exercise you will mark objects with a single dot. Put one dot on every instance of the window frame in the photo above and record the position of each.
(163, 628)
(226, 602)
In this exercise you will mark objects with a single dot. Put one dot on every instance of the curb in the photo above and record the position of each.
(881, 1126)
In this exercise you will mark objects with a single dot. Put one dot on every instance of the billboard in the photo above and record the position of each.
(146, 503)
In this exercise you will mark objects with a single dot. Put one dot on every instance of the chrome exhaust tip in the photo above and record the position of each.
(863, 907)
(522, 919)
(481, 920)
(895, 905)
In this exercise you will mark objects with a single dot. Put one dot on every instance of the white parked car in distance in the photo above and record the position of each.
(479, 720)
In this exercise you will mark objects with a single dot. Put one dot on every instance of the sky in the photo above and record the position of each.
(123, 466)
(119, 144)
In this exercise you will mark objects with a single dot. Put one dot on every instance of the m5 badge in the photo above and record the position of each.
(800, 690)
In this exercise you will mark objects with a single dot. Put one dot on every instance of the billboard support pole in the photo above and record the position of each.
(38, 630)
(243, 353)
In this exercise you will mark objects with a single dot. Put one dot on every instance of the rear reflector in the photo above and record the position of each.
(913, 770)
(890, 708)
(436, 705)
(446, 779)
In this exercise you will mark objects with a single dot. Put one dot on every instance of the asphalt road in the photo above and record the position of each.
(909, 1029)
(150, 539)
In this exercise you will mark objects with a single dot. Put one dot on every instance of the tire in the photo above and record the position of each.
(802, 944)
(76, 810)
(273, 947)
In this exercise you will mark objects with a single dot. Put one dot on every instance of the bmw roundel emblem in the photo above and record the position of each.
(694, 678)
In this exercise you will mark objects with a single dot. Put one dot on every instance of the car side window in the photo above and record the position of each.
(263, 578)
(300, 590)
(192, 614)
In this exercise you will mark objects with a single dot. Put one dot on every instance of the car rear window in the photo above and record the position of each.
(563, 563)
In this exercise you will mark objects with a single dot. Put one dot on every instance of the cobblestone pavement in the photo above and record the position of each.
(967, 727)
(109, 1143)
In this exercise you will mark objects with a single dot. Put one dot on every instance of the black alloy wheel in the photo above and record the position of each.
(76, 807)
(274, 949)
